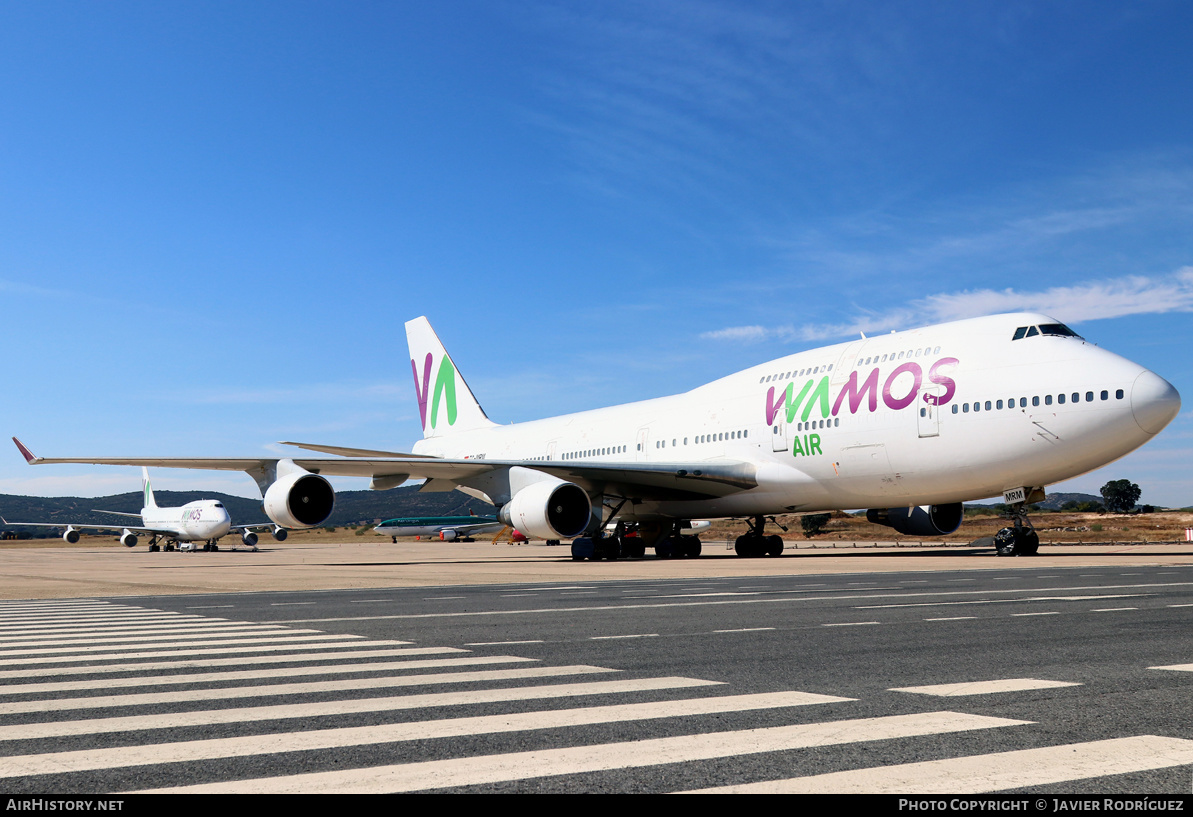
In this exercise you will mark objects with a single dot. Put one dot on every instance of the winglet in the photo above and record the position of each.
(26, 453)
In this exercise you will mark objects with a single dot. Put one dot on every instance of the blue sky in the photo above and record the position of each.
(218, 216)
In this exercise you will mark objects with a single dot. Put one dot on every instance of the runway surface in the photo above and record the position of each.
(1020, 678)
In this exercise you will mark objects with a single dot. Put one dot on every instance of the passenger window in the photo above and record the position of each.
(954, 408)
(998, 405)
(965, 407)
(1048, 399)
(1060, 398)
(1118, 395)
(1105, 395)
(1076, 397)
(1035, 401)
(1089, 397)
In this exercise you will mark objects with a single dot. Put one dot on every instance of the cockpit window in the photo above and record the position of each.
(1058, 329)
(1054, 329)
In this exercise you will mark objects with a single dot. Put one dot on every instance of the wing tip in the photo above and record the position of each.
(25, 452)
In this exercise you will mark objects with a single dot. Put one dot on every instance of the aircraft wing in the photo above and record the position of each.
(77, 526)
(673, 480)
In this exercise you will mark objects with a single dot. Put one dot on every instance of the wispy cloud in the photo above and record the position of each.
(1092, 300)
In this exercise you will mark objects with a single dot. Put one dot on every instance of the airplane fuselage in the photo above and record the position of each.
(433, 525)
(943, 414)
(198, 521)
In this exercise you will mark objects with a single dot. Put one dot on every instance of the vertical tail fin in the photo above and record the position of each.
(445, 402)
(147, 489)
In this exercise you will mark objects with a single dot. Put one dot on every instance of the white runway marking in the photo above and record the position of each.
(114, 641)
(993, 772)
(263, 691)
(6, 655)
(173, 720)
(985, 687)
(348, 641)
(472, 771)
(352, 652)
(126, 756)
(246, 675)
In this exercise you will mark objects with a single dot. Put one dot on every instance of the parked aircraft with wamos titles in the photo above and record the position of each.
(909, 425)
(204, 520)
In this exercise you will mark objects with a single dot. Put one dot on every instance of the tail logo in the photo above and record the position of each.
(445, 386)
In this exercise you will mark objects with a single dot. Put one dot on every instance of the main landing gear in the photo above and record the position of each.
(631, 541)
(1019, 540)
(676, 545)
(754, 543)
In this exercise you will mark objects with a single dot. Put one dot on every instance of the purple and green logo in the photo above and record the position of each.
(899, 391)
(445, 387)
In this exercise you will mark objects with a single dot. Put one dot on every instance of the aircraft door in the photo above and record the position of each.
(778, 434)
(929, 413)
(643, 439)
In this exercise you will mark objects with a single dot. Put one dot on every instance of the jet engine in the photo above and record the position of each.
(71, 535)
(551, 509)
(299, 500)
(280, 534)
(448, 535)
(922, 520)
(128, 539)
(249, 538)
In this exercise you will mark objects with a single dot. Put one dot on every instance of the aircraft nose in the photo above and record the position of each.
(1154, 402)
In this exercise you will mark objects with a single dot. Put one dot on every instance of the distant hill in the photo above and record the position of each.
(351, 506)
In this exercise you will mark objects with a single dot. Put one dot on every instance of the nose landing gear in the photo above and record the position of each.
(1019, 540)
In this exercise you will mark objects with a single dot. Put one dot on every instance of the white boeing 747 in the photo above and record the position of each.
(204, 520)
(908, 425)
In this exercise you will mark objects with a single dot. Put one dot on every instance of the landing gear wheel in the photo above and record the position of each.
(774, 545)
(1017, 542)
(750, 545)
(1005, 542)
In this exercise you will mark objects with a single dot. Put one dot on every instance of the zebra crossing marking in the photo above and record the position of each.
(991, 772)
(985, 687)
(171, 720)
(503, 768)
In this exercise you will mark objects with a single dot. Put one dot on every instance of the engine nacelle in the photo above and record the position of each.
(299, 500)
(249, 538)
(128, 539)
(924, 520)
(280, 534)
(71, 535)
(551, 509)
(448, 535)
